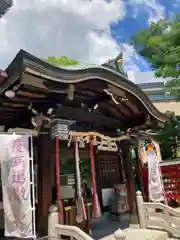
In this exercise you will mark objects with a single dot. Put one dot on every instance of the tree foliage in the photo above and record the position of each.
(160, 46)
(169, 138)
(60, 61)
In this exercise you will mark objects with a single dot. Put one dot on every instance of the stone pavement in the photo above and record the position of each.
(139, 234)
(145, 234)
(106, 226)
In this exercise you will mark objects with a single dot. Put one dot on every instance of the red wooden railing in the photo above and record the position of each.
(171, 179)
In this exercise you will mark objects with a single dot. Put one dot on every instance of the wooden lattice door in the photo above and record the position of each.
(109, 170)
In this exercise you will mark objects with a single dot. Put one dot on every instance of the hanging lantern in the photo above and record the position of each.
(60, 128)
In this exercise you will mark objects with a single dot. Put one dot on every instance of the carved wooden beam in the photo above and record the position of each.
(82, 115)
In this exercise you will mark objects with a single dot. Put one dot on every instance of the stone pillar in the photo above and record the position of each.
(127, 162)
(120, 235)
(53, 220)
(140, 210)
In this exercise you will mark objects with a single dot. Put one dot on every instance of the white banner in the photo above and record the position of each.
(156, 190)
(15, 174)
(144, 154)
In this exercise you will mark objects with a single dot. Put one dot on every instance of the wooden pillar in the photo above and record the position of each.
(98, 181)
(127, 162)
(45, 174)
(139, 173)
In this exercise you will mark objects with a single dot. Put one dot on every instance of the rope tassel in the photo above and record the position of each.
(95, 200)
(81, 210)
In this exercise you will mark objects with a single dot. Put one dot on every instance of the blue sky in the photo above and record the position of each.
(136, 19)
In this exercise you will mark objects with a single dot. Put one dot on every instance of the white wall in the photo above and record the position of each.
(172, 106)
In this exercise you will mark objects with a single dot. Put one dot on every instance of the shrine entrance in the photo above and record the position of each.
(109, 168)
(100, 101)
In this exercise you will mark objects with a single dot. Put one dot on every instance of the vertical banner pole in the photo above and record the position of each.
(33, 186)
(61, 211)
(96, 205)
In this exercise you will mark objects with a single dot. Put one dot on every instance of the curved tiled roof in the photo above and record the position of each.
(79, 73)
(113, 64)
(83, 66)
(79, 66)
(86, 66)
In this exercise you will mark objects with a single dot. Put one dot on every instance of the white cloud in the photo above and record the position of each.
(79, 29)
(155, 10)
(130, 58)
(176, 5)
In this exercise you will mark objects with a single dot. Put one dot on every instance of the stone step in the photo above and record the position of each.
(140, 234)
(173, 238)
(145, 234)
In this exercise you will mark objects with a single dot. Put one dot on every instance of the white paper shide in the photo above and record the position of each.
(16, 186)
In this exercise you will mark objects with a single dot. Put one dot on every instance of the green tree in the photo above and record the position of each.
(169, 138)
(160, 46)
(60, 61)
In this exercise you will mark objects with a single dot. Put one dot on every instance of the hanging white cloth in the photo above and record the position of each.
(81, 211)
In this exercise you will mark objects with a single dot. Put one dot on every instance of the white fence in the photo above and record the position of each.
(57, 231)
(70, 231)
(158, 216)
(76, 233)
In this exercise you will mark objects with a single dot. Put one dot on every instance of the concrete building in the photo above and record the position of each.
(161, 98)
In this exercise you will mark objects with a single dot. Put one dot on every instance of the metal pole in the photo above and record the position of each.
(33, 185)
